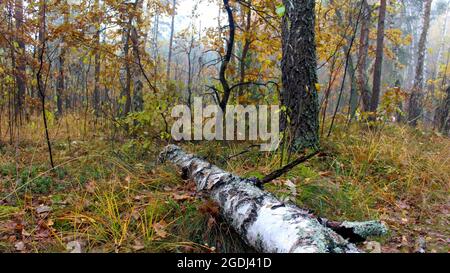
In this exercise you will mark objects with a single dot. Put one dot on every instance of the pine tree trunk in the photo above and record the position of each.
(363, 52)
(299, 94)
(375, 98)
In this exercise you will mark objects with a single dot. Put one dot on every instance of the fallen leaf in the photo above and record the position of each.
(43, 209)
(138, 245)
(181, 197)
(325, 174)
(373, 247)
(91, 186)
(20, 246)
(292, 187)
(160, 229)
(128, 179)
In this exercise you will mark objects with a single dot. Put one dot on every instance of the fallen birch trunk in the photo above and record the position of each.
(263, 221)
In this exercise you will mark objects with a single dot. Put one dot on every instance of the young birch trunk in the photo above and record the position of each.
(264, 222)
(416, 99)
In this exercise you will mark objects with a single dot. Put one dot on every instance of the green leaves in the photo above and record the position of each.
(281, 10)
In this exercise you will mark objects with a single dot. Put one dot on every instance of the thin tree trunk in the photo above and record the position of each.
(97, 67)
(20, 61)
(41, 84)
(172, 31)
(353, 101)
(416, 98)
(245, 48)
(227, 58)
(126, 70)
(190, 72)
(60, 84)
(443, 115)
(439, 55)
(375, 98)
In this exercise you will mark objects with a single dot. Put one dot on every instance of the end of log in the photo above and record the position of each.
(356, 232)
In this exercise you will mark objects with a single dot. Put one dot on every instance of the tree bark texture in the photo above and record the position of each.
(443, 115)
(20, 72)
(227, 58)
(375, 98)
(298, 65)
(363, 52)
(264, 222)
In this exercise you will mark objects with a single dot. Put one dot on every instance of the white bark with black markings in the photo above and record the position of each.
(263, 221)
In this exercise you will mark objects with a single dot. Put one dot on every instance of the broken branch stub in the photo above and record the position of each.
(263, 221)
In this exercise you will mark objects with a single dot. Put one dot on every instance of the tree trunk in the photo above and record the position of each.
(227, 58)
(437, 62)
(138, 96)
(190, 72)
(353, 102)
(60, 84)
(20, 72)
(172, 31)
(96, 93)
(375, 98)
(416, 98)
(263, 221)
(298, 65)
(363, 52)
(443, 115)
(245, 47)
(126, 70)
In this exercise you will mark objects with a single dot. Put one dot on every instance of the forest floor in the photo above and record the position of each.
(113, 196)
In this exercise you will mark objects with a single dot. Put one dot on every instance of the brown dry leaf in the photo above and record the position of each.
(209, 207)
(43, 209)
(135, 214)
(181, 197)
(128, 179)
(25, 233)
(160, 229)
(325, 174)
(138, 245)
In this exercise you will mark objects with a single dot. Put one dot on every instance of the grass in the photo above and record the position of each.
(111, 195)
